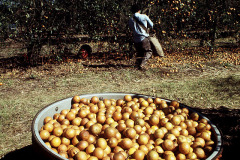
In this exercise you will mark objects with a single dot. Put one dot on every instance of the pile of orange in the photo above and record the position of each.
(129, 128)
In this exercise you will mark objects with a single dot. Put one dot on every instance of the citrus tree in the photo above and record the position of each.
(39, 22)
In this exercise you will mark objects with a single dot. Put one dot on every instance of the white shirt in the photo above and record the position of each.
(139, 33)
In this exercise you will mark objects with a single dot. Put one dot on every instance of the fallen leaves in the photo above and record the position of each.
(197, 58)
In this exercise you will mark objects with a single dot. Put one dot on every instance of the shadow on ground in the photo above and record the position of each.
(227, 120)
(229, 85)
(26, 153)
(109, 65)
(19, 61)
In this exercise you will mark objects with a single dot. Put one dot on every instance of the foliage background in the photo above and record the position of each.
(46, 22)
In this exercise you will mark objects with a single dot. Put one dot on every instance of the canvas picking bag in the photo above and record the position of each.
(155, 44)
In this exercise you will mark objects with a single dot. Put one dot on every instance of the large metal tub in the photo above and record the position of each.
(58, 106)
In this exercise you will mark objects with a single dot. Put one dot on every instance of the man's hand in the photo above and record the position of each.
(152, 31)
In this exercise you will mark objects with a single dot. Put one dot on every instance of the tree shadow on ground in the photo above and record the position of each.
(230, 86)
(22, 62)
(26, 153)
(12, 62)
(228, 121)
(107, 65)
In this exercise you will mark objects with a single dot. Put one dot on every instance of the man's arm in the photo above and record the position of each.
(150, 23)
(146, 21)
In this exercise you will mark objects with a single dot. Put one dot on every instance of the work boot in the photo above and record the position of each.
(145, 59)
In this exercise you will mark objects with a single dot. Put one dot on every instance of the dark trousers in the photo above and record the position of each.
(144, 52)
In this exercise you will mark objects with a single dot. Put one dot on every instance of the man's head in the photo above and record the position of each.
(135, 8)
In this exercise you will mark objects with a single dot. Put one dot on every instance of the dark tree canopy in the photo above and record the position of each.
(37, 22)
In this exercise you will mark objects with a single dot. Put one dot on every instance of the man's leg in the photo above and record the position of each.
(145, 59)
(140, 54)
(147, 52)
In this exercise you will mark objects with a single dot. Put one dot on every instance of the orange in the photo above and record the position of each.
(118, 156)
(157, 100)
(76, 121)
(62, 148)
(73, 151)
(131, 133)
(94, 100)
(154, 120)
(69, 133)
(47, 119)
(55, 142)
(76, 99)
(63, 154)
(48, 144)
(70, 116)
(144, 103)
(101, 143)
(84, 135)
(75, 141)
(90, 149)
(98, 152)
(95, 129)
(152, 155)
(48, 127)
(126, 143)
(109, 132)
(58, 131)
(65, 141)
(142, 140)
(44, 134)
(82, 145)
(127, 98)
(139, 155)
(92, 158)
(112, 142)
(168, 145)
(184, 148)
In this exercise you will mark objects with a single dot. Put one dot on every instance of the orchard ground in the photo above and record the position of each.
(208, 82)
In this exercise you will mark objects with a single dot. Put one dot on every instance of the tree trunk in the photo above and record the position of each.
(33, 51)
(212, 35)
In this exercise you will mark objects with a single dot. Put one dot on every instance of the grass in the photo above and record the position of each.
(203, 82)
(22, 98)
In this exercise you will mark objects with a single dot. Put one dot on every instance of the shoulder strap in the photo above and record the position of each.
(140, 23)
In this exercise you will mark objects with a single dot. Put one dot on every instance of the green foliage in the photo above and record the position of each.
(40, 22)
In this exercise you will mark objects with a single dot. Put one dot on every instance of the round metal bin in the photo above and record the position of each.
(58, 106)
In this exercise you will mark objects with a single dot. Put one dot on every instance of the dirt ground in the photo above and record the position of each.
(173, 66)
